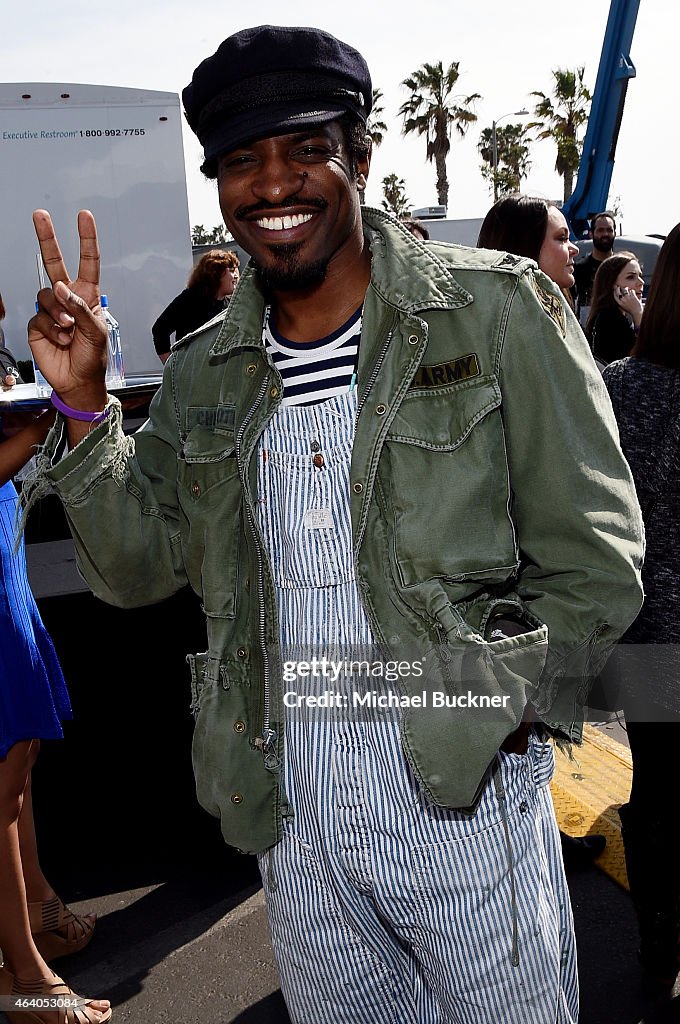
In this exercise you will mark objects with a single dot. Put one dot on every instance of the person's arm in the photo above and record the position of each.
(119, 493)
(18, 449)
(574, 505)
(9, 371)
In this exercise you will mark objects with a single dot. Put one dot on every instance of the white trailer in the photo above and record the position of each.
(117, 152)
(460, 232)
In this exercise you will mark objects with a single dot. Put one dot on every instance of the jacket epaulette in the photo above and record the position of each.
(463, 257)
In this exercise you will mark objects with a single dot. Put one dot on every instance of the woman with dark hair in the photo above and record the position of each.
(535, 228)
(526, 226)
(208, 289)
(645, 393)
(616, 307)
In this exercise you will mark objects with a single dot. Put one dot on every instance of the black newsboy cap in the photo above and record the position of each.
(272, 80)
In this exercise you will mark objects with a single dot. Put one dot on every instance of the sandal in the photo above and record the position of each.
(56, 930)
(72, 1009)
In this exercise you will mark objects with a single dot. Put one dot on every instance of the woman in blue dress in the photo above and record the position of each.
(35, 926)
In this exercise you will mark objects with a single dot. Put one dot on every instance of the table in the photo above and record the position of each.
(20, 404)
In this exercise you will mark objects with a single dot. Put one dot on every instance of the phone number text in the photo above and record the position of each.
(110, 133)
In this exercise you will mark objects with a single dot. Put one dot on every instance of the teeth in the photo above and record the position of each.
(283, 223)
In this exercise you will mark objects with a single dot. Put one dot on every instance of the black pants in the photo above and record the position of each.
(650, 841)
(656, 768)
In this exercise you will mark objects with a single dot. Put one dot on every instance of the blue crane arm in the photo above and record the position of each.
(606, 111)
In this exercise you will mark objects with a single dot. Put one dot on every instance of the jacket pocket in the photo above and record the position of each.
(205, 672)
(445, 477)
(478, 693)
(209, 489)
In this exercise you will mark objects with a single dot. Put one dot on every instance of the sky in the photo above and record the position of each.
(504, 50)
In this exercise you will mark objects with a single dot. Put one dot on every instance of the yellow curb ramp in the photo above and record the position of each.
(588, 790)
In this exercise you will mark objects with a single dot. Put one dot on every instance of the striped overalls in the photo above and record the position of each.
(385, 909)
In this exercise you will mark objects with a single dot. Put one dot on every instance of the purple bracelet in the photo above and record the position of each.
(78, 414)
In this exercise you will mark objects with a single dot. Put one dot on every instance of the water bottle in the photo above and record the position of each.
(115, 373)
(42, 387)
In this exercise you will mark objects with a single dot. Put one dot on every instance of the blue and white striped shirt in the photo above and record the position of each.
(315, 370)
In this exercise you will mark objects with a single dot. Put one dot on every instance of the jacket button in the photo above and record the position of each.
(413, 339)
(196, 489)
(319, 461)
(380, 410)
(237, 798)
(357, 488)
(251, 368)
(242, 652)
(274, 392)
(239, 727)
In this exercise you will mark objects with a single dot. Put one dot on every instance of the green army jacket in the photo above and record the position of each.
(486, 478)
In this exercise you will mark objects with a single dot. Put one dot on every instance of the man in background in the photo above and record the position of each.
(603, 234)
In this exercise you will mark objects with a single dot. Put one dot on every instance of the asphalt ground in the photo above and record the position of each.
(182, 935)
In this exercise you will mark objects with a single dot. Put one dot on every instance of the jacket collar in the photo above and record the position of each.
(404, 274)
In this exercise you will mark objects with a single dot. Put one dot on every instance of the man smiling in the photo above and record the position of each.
(382, 446)
(295, 231)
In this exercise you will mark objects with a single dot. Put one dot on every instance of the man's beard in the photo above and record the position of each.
(287, 273)
(603, 244)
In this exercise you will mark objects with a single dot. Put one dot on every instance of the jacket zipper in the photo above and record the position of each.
(375, 372)
(267, 742)
(377, 632)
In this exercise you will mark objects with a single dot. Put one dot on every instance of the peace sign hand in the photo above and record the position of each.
(68, 335)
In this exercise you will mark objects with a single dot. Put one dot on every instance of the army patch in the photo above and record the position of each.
(509, 261)
(446, 373)
(551, 305)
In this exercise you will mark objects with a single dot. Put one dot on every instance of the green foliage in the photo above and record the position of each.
(561, 117)
(216, 236)
(512, 157)
(375, 127)
(433, 111)
(394, 191)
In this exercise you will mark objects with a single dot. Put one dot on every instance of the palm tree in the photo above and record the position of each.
(431, 110)
(512, 157)
(394, 191)
(560, 118)
(217, 236)
(375, 128)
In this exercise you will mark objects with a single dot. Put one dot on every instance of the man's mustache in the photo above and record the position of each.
(241, 212)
